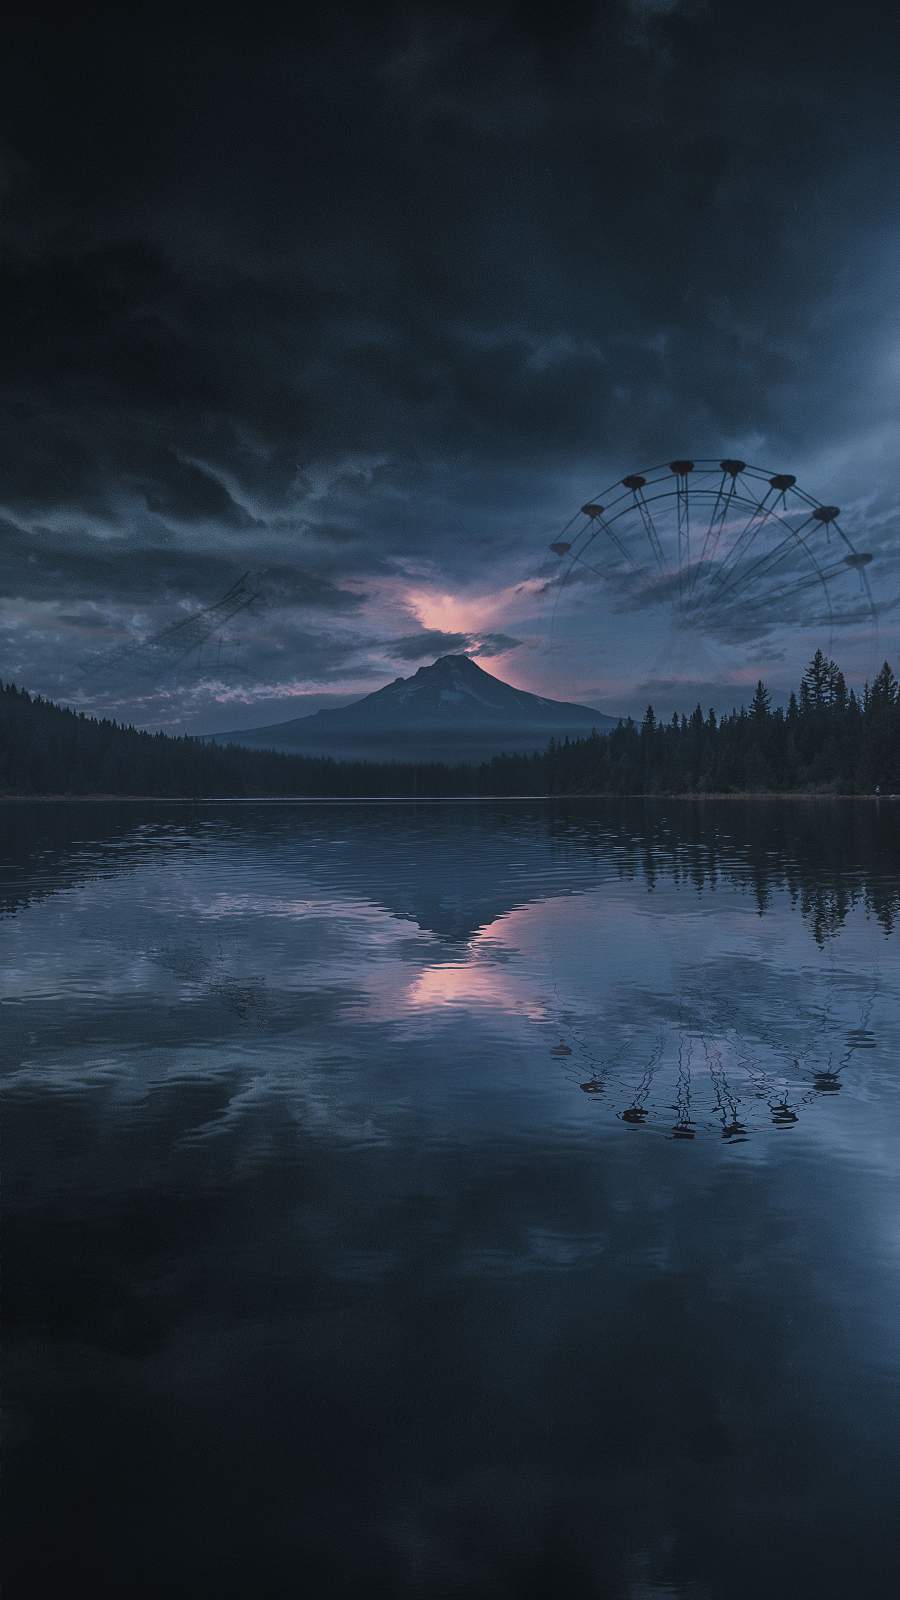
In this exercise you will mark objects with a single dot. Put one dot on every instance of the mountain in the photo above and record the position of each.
(450, 711)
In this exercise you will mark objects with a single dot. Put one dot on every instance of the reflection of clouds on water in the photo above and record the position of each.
(331, 965)
(316, 1150)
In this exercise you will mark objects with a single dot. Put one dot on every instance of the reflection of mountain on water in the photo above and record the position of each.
(453, 868)
(425, 863)
(699, 969)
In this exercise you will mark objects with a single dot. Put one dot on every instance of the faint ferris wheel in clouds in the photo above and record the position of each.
(725, 555)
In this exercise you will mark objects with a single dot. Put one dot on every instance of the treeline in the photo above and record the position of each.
(46, 749)
(828, 740)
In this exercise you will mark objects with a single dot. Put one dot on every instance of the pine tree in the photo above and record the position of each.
(817, 679)
(884, 689)
(761, 702)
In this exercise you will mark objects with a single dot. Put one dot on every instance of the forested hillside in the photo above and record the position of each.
(829, 740)
(45, 749)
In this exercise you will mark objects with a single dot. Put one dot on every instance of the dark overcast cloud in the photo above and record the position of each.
(366, 300)
(431, 642)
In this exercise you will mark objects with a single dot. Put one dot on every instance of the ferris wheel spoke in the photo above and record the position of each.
(735, 470)
(834, 571)
(817, 578)
(682, 471)
(712, 522)
(599, 523)
(749, 606)
(731, 576)
(684, 534)
(763, 563)
(873, 609)
(747, 536)
(623, 549)
(635, 482)
(652, 532)
(729, 499)
(751, 580)
(577, 556)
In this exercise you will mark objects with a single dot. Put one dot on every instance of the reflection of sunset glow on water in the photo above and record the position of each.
(497, 968)
(505, 963)
(474, 983)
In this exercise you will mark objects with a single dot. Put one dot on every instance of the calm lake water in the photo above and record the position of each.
(442, 1200)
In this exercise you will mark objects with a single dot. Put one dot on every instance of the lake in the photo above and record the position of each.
(491, 1199)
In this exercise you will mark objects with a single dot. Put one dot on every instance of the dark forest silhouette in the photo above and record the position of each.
(829, 740)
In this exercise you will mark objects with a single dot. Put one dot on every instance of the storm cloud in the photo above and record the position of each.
(431, 642)
(365, 301)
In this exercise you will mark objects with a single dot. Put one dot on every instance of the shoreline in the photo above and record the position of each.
(431, 799)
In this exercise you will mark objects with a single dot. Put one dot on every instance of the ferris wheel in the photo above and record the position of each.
(730, 551)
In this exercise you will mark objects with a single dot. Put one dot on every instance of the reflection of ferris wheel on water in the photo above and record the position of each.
(730, 551)
(698, 1077)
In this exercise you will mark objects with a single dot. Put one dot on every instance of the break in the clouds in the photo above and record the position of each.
(366, 302)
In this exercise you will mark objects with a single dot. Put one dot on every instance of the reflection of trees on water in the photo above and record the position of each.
(738, 1054)
(831, 856)
(475, 862)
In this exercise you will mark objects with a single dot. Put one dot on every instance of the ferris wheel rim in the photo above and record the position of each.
(707, 467)
(589, 535)
(671, 481)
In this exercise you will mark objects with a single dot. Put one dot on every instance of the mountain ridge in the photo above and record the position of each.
(449, 710)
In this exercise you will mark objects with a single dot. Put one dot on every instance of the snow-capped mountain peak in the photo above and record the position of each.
(451, 710)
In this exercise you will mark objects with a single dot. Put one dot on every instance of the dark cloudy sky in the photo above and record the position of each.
(367, 302)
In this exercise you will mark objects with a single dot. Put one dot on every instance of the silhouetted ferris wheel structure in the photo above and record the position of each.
(201, 635)
(729, 546)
